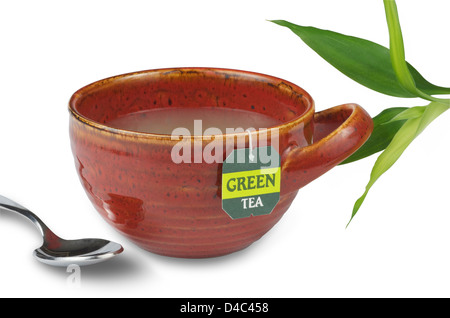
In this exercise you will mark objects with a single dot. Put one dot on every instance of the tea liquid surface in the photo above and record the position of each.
(165, 120)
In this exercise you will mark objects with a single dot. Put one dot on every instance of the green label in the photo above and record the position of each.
(251, 181)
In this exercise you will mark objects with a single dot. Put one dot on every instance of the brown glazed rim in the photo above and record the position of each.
(288, 86)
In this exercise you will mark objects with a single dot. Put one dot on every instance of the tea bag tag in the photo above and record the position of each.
(251, 181)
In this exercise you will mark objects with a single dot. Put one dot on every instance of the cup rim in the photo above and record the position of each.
(302, 118)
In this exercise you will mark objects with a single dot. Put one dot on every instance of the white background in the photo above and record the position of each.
(397, 245)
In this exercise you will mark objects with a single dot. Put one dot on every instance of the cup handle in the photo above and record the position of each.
(338, 132)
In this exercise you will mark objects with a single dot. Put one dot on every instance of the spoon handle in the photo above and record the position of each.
(9, 205)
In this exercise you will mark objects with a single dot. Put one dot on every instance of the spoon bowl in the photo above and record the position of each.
(56, 251)
(81, 252)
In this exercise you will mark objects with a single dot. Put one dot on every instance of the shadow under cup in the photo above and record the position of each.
(175, 208)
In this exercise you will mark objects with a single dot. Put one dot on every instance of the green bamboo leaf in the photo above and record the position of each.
(397, 52)
(432, 111)
(357, 58)
(402, 139)
(408, 113)
(424, 85)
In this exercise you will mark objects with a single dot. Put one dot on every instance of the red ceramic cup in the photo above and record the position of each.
(176, 209)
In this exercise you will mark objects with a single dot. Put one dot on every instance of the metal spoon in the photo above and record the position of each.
(56, 251)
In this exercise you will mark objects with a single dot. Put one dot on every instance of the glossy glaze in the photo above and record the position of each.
(175, 209)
